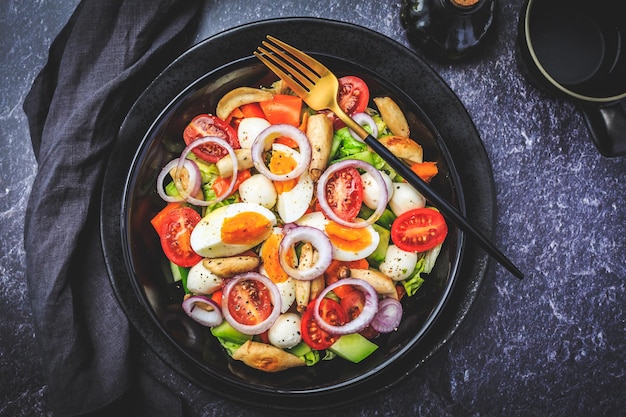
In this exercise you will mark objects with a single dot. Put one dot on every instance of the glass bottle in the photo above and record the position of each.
(448, 29)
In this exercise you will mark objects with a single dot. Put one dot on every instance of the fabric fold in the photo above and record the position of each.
(98, 65)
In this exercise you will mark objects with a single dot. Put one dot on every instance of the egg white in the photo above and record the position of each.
(206, 237)
(287, 290)
(292, 204)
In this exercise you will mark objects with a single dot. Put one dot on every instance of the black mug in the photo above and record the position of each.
(576, 49)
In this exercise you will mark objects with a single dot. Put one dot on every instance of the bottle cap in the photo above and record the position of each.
(464, 3)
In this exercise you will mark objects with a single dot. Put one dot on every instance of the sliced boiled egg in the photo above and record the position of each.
(292, 204)
(232, 229)
(349, 244)
(269, 256)
(287, 290)
(294, 196)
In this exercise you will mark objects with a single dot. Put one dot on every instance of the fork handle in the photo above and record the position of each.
(443, 205)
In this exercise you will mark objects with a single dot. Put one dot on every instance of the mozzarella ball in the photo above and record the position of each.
(371, 192)
(202, 281)
(405, 198)
(258, 189)
(398, 264)
(285, 332)
(249, 128)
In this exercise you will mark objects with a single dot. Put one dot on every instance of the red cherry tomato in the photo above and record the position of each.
(175, 234)
(353, 94)
(157, 220)
(419, 230)
(353, 303)
(344, 193)
(353, 97)
(331, 312)
(250, 302)
(209, 125)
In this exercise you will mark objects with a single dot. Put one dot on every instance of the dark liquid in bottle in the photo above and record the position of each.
(447, 29)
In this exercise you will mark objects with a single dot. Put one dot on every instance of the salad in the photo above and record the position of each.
(293, 241)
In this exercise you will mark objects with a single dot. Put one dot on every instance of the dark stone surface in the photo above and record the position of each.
(551, 345)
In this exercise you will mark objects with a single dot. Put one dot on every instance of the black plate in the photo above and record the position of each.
(147, 302)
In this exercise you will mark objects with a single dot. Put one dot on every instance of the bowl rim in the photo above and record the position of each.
(481, 264)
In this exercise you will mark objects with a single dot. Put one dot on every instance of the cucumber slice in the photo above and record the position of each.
(300, 349)
(381, 250)
(386, 219)
(179, 273)
(227, 332)
(353, 347)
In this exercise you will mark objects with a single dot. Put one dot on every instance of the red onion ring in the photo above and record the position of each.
(352, 163)
(231, 152)
(370, 308)
(388, 317)
(318, 239)
(195, 180)
(274, 295)
(200, 314)
(364, 119)
(267, 136)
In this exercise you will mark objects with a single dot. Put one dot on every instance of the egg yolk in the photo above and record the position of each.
(282, 163)
(245, 228)
(347, 238)
(269, 256)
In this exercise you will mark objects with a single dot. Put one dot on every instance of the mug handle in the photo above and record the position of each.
(607, 124)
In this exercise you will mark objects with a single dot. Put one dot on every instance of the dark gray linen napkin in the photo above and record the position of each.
(101, 61)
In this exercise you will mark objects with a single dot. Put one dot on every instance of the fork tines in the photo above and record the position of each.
(290, 64)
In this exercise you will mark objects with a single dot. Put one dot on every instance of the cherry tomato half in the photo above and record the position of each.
(157, 220)
(344, 193)
(353, 94)
(250, 302)
(419, 230)
(332, 313)
(353, 303)
(209, 125)
(353, 97)
(175, 234)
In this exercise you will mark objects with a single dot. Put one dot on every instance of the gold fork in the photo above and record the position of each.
(319, 87)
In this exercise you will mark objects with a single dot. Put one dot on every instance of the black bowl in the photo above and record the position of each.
(136, 262)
